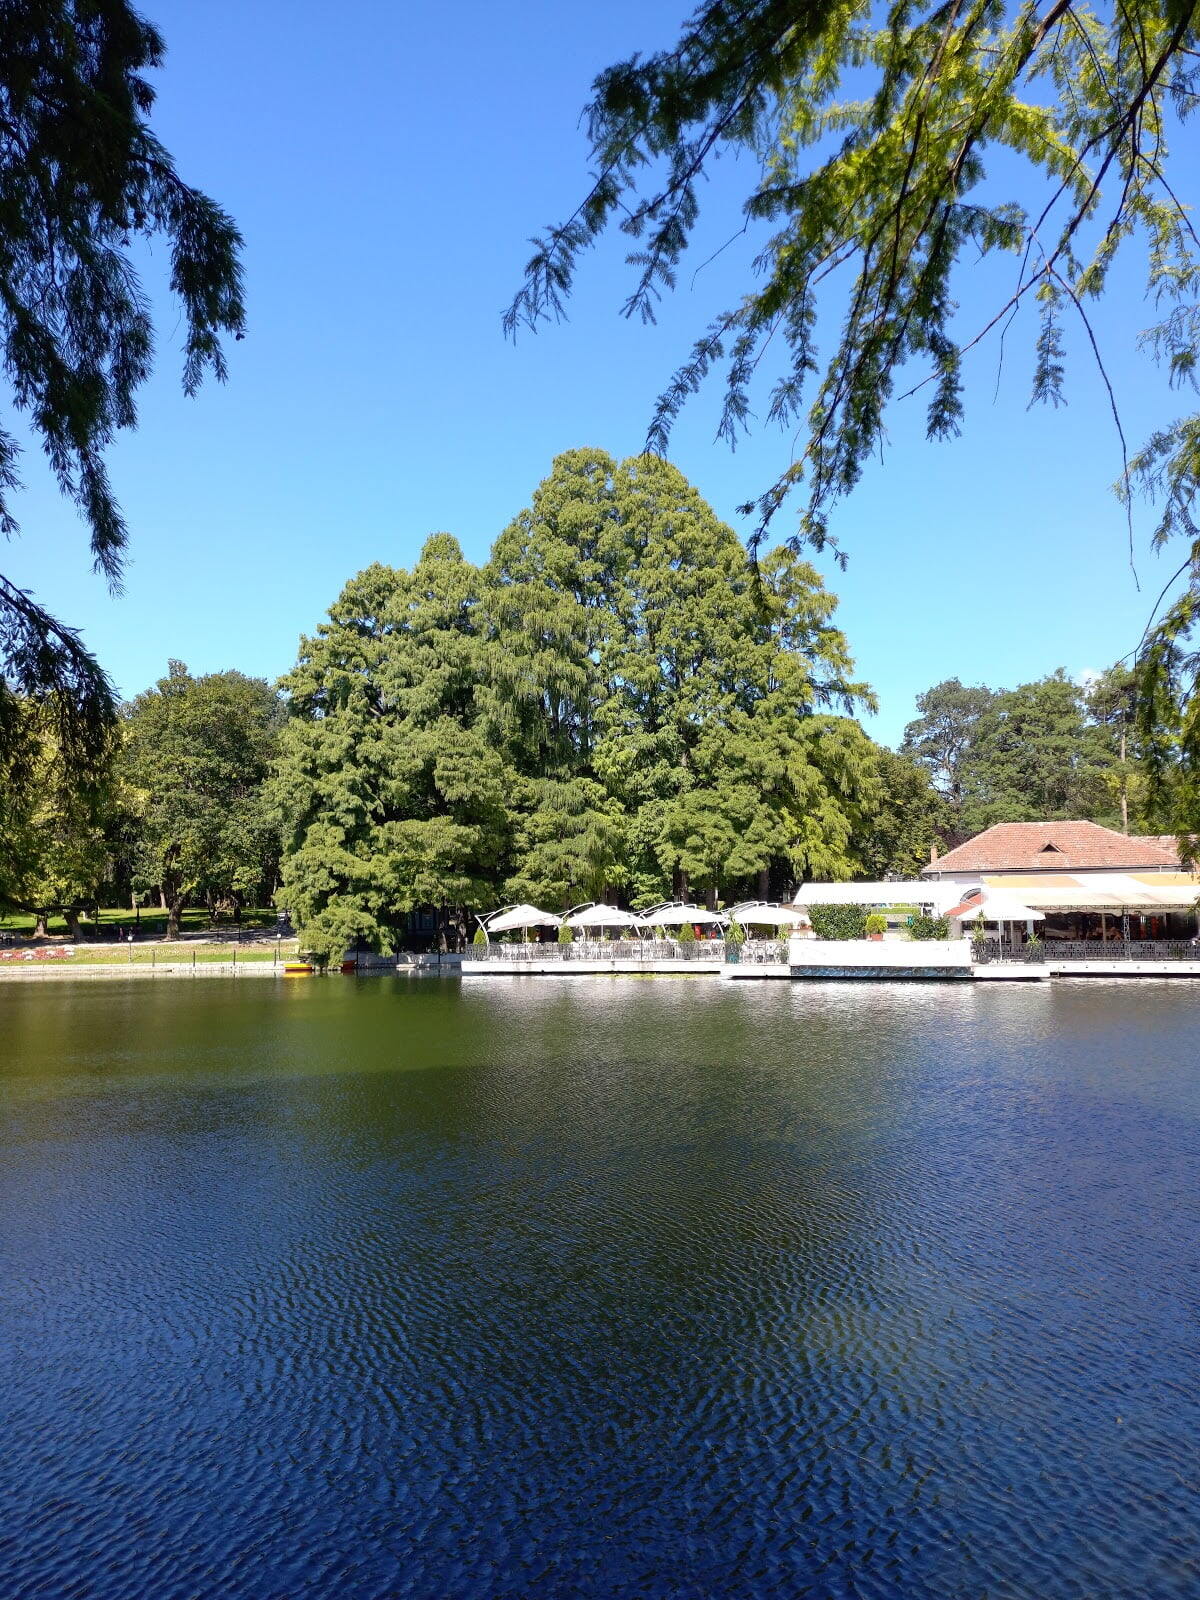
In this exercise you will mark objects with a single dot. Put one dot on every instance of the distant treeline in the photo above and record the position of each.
(1048, 749)
(619, 704)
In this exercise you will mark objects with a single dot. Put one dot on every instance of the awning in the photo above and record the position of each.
(600, 916)
(996, 906)
(760, 914)
(509, 917)
(1097, 891)
(674, 915)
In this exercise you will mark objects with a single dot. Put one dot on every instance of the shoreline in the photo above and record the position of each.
(45, 973)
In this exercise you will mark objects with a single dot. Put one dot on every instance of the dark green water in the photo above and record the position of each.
(598, 1288)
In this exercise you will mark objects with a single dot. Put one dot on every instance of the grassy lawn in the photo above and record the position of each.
(150, 924)
(159, 955)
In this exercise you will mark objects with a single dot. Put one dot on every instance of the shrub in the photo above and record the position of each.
(922, 927)
(876, 923)
(566, 935)
(978, 930)
(735, 933)
(687, 934)
(480, 937)
(839, 922)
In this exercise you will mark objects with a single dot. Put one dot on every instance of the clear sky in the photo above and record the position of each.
(387, 166)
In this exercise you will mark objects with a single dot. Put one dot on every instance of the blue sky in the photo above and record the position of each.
(387, 166)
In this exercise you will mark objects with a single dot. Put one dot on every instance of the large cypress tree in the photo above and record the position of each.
(556, 608)
(393, 797)
(619, 702)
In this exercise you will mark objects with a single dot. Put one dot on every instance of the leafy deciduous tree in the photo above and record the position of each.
(196, 754)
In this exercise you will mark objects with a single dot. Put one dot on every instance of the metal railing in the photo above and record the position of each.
(765, 952)
(1122, 950)
(1088, 950)
(601, 950)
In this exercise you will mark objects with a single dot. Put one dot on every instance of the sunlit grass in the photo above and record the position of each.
(150, 922)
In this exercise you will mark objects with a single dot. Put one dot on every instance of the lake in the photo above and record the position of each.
(594, 1287)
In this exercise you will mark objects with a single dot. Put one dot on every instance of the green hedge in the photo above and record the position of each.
(839, 922)
(922, 927)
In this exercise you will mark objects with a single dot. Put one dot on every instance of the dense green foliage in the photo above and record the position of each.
(888, 151)
(195, 755)
(839, 922)
(876, 923)
(57, 821)
(84, 183)
(176, 806)
(617, 703)
(923, 927)
(1042, 750)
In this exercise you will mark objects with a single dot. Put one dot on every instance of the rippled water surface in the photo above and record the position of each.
(603, 1288)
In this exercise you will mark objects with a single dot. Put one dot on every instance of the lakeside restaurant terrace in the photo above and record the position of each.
(609, 933)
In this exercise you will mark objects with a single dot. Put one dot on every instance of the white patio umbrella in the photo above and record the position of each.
(997, 905)
(759, 914)
(676, 914)
(601, 916)
(509, 917)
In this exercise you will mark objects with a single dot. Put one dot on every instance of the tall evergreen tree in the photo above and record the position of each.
(392, 795)
(1036, 755)
(941, 736)
(618, 703)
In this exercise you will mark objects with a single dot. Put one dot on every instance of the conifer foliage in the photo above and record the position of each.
(616, 704)
(82, 177)
(889, 149)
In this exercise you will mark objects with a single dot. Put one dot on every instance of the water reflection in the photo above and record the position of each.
(598, 1288)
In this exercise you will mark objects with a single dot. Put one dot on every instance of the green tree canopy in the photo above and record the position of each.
(941, 736)
(887, 151)
(617, 703)
(196, 754)
(1046, 749)
(57, 820)
(392, 795)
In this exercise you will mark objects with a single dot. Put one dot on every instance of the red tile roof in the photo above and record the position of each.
(1055, 847)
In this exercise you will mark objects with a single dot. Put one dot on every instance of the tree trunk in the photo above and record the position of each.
(683, 885)
(39, 926)
(174, 912)
(710, 897)
(162, 899)
(764, 883)
(72, 916)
